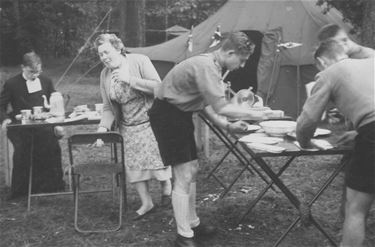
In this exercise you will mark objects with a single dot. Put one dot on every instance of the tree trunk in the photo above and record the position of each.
(134, 32)
(16, 11)
(368, 24)
(123, 10)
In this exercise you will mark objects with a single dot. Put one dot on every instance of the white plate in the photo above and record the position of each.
(77, 118)
(260, 138)
(266, 148)
(252, 127)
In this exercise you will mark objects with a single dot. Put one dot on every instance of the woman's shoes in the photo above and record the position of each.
(138, 216)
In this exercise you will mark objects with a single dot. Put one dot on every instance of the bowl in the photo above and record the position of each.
(278, 128)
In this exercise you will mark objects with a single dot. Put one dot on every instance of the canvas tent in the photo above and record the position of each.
(176, 30)
(279, 73)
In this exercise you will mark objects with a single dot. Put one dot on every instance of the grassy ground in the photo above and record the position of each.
(50, 222)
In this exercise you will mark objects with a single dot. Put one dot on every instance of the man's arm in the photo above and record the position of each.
(312, 112)
(209, 85)
(237, 111)
(222, 122)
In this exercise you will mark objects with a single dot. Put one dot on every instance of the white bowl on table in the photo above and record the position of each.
(278, 128)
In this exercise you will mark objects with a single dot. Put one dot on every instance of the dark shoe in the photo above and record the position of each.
(138, 216)
(182, 241)
(203, 230)
(166, 201)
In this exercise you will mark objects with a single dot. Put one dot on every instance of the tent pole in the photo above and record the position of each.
(272, 78)
(298, 81)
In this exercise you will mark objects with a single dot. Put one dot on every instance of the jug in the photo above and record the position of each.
(56, 104)
(244, 97)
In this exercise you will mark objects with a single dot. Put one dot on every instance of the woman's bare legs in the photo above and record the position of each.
(144, 193)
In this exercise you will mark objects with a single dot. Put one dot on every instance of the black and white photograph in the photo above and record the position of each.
(187, 123)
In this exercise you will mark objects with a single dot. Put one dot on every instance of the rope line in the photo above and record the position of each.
(83, 47)
(88, 71)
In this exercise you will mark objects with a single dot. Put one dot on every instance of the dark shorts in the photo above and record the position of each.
(360, 172)
(174, 132)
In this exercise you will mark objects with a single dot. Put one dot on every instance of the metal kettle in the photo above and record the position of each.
(56, 104)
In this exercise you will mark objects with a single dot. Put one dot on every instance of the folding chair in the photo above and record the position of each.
(114, 167)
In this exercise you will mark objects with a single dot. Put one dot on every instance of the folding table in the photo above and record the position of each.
(232, 145)
(292, 151)
(32, 125)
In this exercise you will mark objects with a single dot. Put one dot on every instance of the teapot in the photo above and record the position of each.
(248, 98)
(243, 96)
(56, 104)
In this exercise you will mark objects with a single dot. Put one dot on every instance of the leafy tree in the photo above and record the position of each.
(132, 25)
(52, 28)
(161, 14)
(361, 13)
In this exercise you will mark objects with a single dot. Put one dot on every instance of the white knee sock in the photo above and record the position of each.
(193, 217)
(180, 203)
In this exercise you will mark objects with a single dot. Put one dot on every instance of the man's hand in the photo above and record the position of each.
(238, 127)
(334, 116)
(347, 138)
(5, 123)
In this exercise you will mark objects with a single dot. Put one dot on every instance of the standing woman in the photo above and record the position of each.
(127, 87)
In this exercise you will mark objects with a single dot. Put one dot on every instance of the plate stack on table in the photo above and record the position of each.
(82, 112)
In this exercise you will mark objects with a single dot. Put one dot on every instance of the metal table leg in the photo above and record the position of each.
(264, 191)
(30, 171)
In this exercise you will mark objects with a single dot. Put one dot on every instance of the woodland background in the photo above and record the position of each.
(60, 28)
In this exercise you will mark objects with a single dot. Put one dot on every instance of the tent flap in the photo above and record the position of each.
(269, 63)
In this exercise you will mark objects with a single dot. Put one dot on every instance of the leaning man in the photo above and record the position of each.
(349, 84)
(191, 86)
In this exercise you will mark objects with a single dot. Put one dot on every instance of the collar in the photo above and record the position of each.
(215, 58)
(23, 76)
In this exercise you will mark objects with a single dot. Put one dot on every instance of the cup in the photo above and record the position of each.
(37, 110)
(25, 115)
(99, 109)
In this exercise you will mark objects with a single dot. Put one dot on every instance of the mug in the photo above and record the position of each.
(25, 115)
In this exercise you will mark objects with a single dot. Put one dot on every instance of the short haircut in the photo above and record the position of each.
(239, 42)
(328, 31)
(31, 59)
(112, 39)
(329, 49)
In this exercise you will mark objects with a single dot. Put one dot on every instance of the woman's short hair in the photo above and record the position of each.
(112, 39)
(328, 31)
(239, 42)
(31, 59)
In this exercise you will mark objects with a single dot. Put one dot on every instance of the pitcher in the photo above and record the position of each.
(56, 104)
